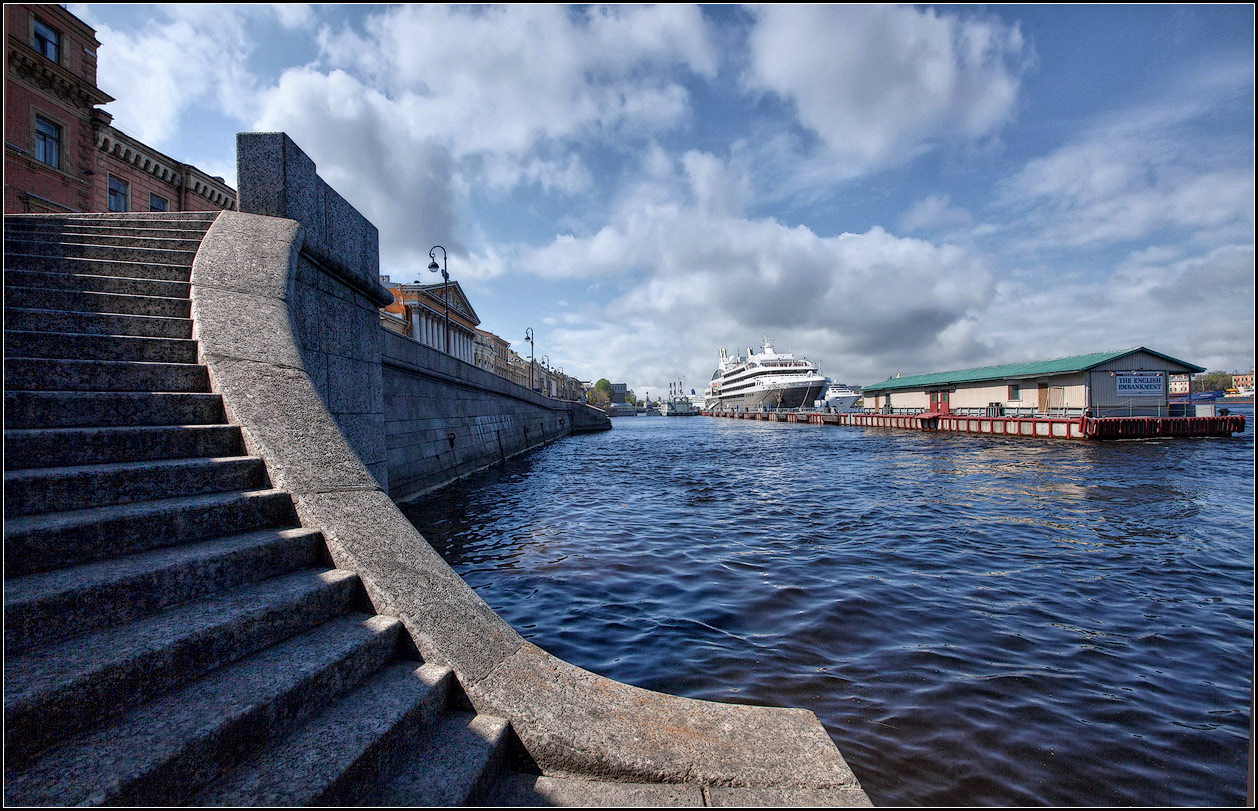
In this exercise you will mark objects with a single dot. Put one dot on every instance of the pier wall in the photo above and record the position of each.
(1030, 427)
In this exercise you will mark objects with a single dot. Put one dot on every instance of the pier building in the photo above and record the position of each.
(1103, 395)
(1129, 382)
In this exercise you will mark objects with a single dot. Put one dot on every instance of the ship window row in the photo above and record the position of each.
(755, 374)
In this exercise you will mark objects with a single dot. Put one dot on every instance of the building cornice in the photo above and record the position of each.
(31, 68)
(115, 142)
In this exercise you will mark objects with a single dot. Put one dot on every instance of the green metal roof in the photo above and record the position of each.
(1008, 371)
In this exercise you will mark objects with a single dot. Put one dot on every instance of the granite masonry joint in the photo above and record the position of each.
(219, 357)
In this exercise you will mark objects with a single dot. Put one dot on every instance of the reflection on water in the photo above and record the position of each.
(976, 620)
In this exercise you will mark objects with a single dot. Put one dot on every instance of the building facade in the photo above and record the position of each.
(1133, 381)
(427, 312)
(61, 151)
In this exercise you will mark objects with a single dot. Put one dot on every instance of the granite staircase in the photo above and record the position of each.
(172, 635)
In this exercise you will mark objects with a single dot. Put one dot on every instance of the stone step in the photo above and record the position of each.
(69, 447)
(532, 791)
(97, 236)
(50, 606)
(520, 790)
(82, 409)
(460, 757)
(56, 690)
(189, 229)
(87, 301)
(40, 543)
(39, 374)
(87, 346)
(119, 253)
(54, 489)
(96, 267)
(128, 218)
(338, 755)
(146, 326)
(123, 285)
(163, 752)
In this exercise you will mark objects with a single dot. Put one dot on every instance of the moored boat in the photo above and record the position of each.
(765, 379)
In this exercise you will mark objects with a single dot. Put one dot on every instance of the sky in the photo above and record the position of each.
(882, 190)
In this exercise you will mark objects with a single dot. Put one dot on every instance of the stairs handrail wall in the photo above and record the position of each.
(250, 319)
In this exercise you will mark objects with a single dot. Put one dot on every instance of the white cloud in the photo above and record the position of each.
(504, 78)
(699, 276)
(880, 84)
(1143, 172)
(400, 182)
(423, 106)
(187, 58)
(935, 212)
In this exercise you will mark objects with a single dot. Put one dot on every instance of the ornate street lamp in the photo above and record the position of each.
(528, 336)
(445, 290)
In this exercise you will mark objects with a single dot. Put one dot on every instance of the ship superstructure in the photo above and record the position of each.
(763, 379)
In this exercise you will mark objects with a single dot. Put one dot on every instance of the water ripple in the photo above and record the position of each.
(976, 620)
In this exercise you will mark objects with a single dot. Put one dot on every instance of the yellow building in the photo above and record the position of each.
(426, 313)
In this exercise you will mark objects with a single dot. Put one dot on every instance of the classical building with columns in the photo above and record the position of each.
(426, 312)
(61, 151)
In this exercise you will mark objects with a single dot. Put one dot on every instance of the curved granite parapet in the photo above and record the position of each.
(571, 722)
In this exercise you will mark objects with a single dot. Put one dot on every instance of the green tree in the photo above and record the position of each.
(598, 397)
(630, 398)
(1212, 381)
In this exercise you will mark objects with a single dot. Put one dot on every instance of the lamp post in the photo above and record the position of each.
(546, 366)
(528, 336)
(445, 290)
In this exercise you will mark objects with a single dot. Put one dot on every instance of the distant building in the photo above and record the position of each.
(424, 309)
(1131, 381)
(494, 353)
(1243, 381)
(619, 390)
(1179, 384)
(394, 323)
(61, 151)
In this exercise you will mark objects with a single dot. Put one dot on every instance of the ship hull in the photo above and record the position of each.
(778, 397)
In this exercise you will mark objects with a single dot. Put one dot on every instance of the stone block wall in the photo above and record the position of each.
(445, 419)
(417, 417)
(335, 294)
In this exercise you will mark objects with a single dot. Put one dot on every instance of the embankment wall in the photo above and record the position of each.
(417, 417)
(445, 418)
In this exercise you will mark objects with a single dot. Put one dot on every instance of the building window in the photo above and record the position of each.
(156, 203)
(118, 190)
(46, 41)
(47, 142)
(1015, 391)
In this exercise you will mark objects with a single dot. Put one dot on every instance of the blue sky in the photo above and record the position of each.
(880, 189)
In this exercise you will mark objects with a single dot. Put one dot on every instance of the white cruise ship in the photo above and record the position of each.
(766, 379)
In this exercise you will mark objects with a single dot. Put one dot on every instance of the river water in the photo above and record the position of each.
(975, 620)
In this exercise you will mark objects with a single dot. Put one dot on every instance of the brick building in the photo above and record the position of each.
(61, 151)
